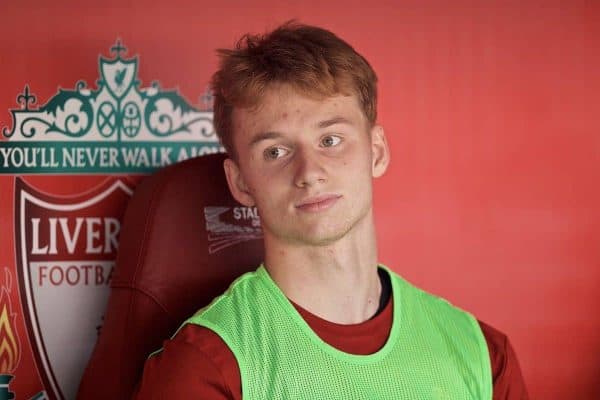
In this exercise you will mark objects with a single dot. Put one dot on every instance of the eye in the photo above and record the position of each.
(330, 141)
(273, 153)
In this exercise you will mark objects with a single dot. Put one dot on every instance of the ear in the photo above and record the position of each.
(381, 151)
(236, 183)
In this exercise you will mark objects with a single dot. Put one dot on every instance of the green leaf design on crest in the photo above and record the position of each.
(165, 114)
(175, 98)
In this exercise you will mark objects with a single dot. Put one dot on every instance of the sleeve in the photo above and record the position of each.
(506, 372)
(196, 363)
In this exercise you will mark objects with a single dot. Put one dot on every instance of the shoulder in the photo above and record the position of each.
(194, 363)
(435, 306)
(506, 371)
(437, 318)
(233, 299)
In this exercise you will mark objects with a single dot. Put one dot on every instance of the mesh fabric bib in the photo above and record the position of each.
(434, 350)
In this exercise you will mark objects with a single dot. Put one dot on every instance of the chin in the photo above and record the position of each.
(318, 232)
(318, 237)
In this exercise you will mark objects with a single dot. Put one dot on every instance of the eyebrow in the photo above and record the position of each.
(264, 136)
(336, 120)
(275, 135)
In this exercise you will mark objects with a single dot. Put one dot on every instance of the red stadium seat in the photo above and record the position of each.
(184, 239)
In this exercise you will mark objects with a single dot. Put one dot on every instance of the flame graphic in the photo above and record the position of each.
(10, 352)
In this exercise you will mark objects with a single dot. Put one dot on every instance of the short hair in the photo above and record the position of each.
(310, 59)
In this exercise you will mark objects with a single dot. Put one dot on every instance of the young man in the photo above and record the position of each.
(320, 319)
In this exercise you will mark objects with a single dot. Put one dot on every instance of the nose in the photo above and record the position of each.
(309, 168)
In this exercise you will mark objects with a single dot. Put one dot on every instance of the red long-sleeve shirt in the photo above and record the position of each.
(196, 363)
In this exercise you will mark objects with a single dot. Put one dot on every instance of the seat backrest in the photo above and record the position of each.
(184, 239)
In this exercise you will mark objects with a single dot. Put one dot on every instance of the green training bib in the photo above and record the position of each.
(434, 350)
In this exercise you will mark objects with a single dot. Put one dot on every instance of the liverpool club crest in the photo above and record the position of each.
(66, 248)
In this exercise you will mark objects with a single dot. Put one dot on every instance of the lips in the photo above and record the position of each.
(318, 203)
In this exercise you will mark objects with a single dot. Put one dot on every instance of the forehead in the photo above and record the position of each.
(283, 107)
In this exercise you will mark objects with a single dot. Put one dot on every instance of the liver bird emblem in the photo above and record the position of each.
(120, 77)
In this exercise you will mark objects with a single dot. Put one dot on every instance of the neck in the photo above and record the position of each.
(337, 282)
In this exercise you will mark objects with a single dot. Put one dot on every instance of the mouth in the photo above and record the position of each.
(318, 203)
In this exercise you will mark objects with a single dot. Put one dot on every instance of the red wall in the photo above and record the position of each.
(491, 110)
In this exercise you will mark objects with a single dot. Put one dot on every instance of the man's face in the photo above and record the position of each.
(307, 165)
